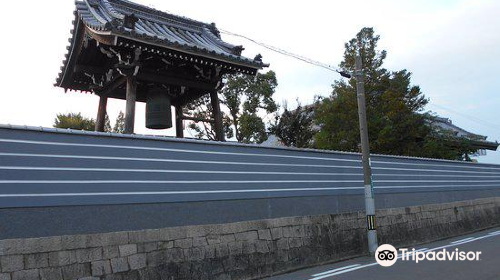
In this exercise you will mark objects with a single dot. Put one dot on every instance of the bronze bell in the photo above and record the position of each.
(158, 111)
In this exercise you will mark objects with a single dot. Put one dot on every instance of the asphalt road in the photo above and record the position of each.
(486, 268)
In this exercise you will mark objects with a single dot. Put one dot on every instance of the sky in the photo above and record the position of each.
(451, 47)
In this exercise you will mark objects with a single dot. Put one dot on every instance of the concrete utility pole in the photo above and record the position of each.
(365, 148)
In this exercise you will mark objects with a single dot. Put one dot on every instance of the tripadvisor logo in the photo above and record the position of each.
(387, 255)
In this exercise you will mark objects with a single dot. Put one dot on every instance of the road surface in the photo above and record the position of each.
(486, 268)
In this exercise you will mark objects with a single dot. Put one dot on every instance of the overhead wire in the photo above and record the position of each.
(338, 70)
(287, 53)
(468, 117)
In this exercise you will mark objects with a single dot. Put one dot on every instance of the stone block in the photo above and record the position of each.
(107, 239)
(196, 231)
(31, 274)
(51, 273)
(44, 244)
(282, 244)
(71, 242)
(298, 231)
(234, 263)
(236, 227)
(36, 260)
(283, 222)
(235, 248)
(127, 249)
(75, 271)
(110, 252)
(173, 233)
(89, 278)
(117, 277)
(194, 254)
(156, 258)
(264, 234)
(175, 255)
(12, 263)
(261, 246)
(88, 255)
(183, 243)
(147, 247)
(62, 258)
(287, 231)
(213, 239)
(248, 247)
(101, 268)
(163, 245)
(246, 236)
(5, 276)
(222, 276)
(276, 233)
(221, 250)
(282, 256)
(210, 251)
(295, 242)
(227, 238)
(307, 241)
(29, 245)
(119, 265)
(137, 261)
(144, 236)
(199, 241)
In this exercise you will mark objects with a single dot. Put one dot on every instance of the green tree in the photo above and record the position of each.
(442, 143)
(396, 124)
(120, 123)
(77, 121)
(295, 127)
(107, 124)
(244, 100)
(74, 121)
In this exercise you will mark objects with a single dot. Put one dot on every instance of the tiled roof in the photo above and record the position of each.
(160, 28)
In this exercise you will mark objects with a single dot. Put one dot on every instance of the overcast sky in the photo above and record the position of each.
(451, 47)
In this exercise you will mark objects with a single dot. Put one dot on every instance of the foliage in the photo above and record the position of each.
(79, 122)
(107, 123)
(244, 99)
(294, 127)
(74, 121)
(396, 123)
(445, 144)
(120, 123)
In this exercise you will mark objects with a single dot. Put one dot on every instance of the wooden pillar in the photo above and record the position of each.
(130, 107)
(101, 114)
(179, 128)
(219, 130)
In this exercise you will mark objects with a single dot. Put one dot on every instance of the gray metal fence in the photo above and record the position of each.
(49, 168)
(54, 169)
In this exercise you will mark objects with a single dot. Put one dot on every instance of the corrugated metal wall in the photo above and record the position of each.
(53, 168)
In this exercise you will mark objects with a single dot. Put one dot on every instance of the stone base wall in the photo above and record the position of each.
(243, 250)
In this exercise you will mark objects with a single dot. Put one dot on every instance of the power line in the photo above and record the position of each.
(334, 69)
(290, 54)
(468, 117)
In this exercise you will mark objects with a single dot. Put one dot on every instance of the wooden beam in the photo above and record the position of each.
(219, 130)
(130, 105)
(111, 86)
(103, 39)
(175, 81)
(179, 126)
(80, 68)
(101, 114)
